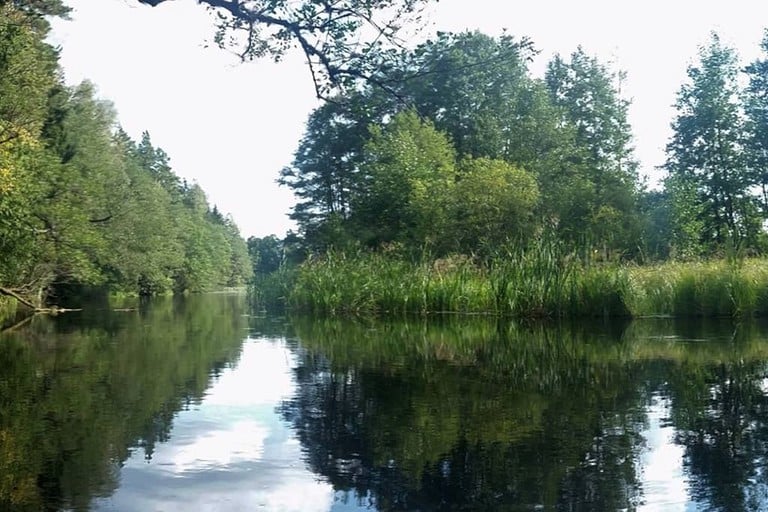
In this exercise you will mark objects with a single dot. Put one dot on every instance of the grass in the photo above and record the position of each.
(543, 282)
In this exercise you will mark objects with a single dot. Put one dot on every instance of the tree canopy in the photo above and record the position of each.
(81, 203)
(516, 155)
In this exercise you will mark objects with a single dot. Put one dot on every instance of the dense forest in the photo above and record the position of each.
(462, 182)
(463, 151)
(449, 151)
(81, 203)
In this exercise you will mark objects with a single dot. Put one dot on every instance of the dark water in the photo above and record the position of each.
(194, 405)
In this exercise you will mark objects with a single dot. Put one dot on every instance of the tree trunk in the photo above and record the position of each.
(11, 293)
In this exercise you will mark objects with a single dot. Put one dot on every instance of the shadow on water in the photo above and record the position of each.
(81, 391)
(485, 415)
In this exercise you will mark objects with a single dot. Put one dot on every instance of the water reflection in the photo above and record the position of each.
(190, 405)
(80, 392)
(230, 452)
(492, 416)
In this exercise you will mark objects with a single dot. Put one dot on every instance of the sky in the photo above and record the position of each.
(232, 126)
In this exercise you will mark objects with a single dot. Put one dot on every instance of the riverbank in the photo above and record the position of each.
(534, 284)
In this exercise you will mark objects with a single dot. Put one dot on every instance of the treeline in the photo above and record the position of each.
(460, 150)
(80, 202)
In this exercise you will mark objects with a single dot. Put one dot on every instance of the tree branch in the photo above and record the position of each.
(324, 30)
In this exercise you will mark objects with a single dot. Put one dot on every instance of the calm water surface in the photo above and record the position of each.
(195, 405)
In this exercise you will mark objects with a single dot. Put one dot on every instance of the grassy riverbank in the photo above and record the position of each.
(538, 283)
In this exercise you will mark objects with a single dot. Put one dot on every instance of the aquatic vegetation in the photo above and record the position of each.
(540, 282)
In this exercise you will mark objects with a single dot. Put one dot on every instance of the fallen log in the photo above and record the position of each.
(22, 300)
(52, 310)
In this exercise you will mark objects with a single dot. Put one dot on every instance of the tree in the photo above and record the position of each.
(472, 87)
(27, 73)
(705, 158)
(409, 170)
(494, 203)
(587, 95)
(324, 171)
(344, 41)
(756, 107)
(266, 254)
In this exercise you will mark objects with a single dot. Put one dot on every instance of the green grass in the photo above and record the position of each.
(543, 282)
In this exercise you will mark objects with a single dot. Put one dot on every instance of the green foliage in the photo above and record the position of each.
(81, 204)
(472, 110)
(756, 109)
(27, 73)
(602, 170)
(410, 177)
(494, 203)
(266, 254)
(707, 167)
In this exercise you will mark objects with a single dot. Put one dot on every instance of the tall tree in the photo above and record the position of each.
(472, 87)
(756, 107)
(602, 165)
(476, 89)
(325, 169)
(705, 157)
(409, 171)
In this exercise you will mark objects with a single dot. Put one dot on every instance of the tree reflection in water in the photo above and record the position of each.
(486, 415)
(441, 414)
(80, 392)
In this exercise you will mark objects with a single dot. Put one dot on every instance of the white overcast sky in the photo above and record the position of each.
(231, 127)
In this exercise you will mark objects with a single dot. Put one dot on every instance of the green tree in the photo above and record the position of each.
(494, 203)
(145, 241)
(508, 118)
(84, 191)
(27, 74)
(442, 81)
(705, 158)
(604, 169)
(324, 172)
(756, 107)
(266, 254)
(409, 171)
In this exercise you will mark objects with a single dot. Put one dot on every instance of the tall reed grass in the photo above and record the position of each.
(543, 281)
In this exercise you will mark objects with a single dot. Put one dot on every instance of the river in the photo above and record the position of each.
(194, 404)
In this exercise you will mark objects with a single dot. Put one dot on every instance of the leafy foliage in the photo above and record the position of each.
(81, 204)
(706, 154)
(523, 155)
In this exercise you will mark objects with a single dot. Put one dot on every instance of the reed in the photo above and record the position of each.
(543, 281)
